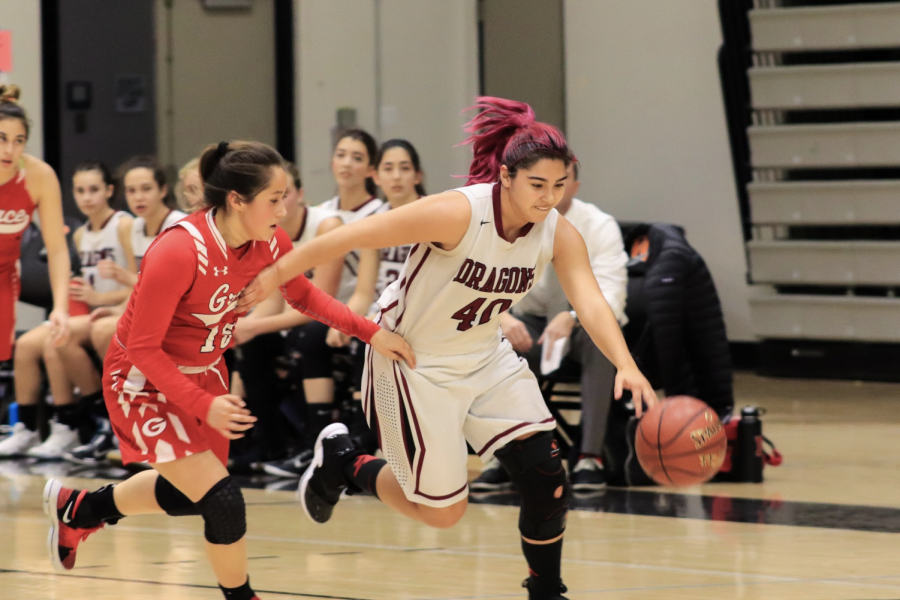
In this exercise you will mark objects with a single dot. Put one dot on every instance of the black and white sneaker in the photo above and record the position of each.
(537, 591)
(290, 467)
(322, 484)
(95, 451)
(588, 475)
(494, 478)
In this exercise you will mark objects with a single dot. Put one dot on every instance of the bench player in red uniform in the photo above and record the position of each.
(164, 382)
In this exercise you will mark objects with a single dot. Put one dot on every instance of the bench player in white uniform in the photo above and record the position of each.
(352, 165)
(149, 197)
(398, 172)
(261, 334)
(478, 250)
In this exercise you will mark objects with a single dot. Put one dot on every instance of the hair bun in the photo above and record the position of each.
(10, 93)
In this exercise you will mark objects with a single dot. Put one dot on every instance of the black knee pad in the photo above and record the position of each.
(535, 467)
(171, 500)
(224, 513)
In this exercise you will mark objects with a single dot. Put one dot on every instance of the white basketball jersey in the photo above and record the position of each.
(314, 217)
(99, 245)
(351, 260)
(140, 241)
(447, 303)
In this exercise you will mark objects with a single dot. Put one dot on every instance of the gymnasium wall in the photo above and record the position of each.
(222, 76)
(646, 118)
(524, 55)
(23, 19)
(407, 68)
(101, 41)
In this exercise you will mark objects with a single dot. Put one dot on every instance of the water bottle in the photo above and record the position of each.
(13, 413)
(749, 453)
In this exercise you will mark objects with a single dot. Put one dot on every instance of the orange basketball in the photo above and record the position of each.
(680, 442)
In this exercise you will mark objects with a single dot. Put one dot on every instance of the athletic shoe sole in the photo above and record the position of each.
(588, 487)
(88, 461)
(491, 487)
(51, 500)
(318, 458)
(278, 472)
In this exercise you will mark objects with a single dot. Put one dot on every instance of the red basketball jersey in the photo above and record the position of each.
(16, 208)
(183, 309)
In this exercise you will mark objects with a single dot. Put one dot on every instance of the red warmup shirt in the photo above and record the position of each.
(16, 208)
(182, 311)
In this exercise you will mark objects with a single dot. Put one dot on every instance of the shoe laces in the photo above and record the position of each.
(589, 463)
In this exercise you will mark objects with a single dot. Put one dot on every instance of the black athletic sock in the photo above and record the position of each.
(69, 415)
(95, 405)
(544, 565)
(28, 415)
(244, 592)
(97, 507)
(363, 471)
(318, 417)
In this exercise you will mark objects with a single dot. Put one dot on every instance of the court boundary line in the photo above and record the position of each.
(4, 571)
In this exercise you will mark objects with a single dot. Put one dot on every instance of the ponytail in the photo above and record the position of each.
(10, 108)
(505, 132)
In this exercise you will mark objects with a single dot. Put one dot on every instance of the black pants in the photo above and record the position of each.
(598, 378)
(264, 389)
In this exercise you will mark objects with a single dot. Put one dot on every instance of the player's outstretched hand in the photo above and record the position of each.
(393, 346)
(259, 289)
(642, 392)
(228, 416)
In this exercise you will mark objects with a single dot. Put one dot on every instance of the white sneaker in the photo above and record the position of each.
(61, 440)
(20, 442)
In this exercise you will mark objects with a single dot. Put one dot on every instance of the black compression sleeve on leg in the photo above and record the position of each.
(171, 500)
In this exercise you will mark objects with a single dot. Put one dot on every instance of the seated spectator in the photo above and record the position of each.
(259, 334)
(148, 196)
(544, 316)
(676, 330)
(105, 236)
(189, 189)
(353, 166)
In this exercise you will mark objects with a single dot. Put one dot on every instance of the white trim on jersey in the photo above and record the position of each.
(220, 241)
(199, 243)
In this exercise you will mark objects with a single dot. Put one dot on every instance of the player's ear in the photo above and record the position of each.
(505, 179)
(233, 201)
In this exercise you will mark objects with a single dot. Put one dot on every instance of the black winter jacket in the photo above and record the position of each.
(676, 329)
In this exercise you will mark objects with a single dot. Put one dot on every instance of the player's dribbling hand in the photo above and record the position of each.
(259, 289)
(393, 347)
(228, 416)
(59, 327)
(631, 378)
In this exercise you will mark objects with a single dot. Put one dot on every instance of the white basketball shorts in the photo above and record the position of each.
(423, 417)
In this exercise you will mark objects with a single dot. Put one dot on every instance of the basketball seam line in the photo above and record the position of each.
(685, 426)
(659, 445)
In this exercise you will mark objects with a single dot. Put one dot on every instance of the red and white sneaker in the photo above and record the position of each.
(60, 505)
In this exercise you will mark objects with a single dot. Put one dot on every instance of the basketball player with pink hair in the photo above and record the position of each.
(477, 251)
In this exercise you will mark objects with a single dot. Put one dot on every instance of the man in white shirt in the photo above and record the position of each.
(544, 315)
